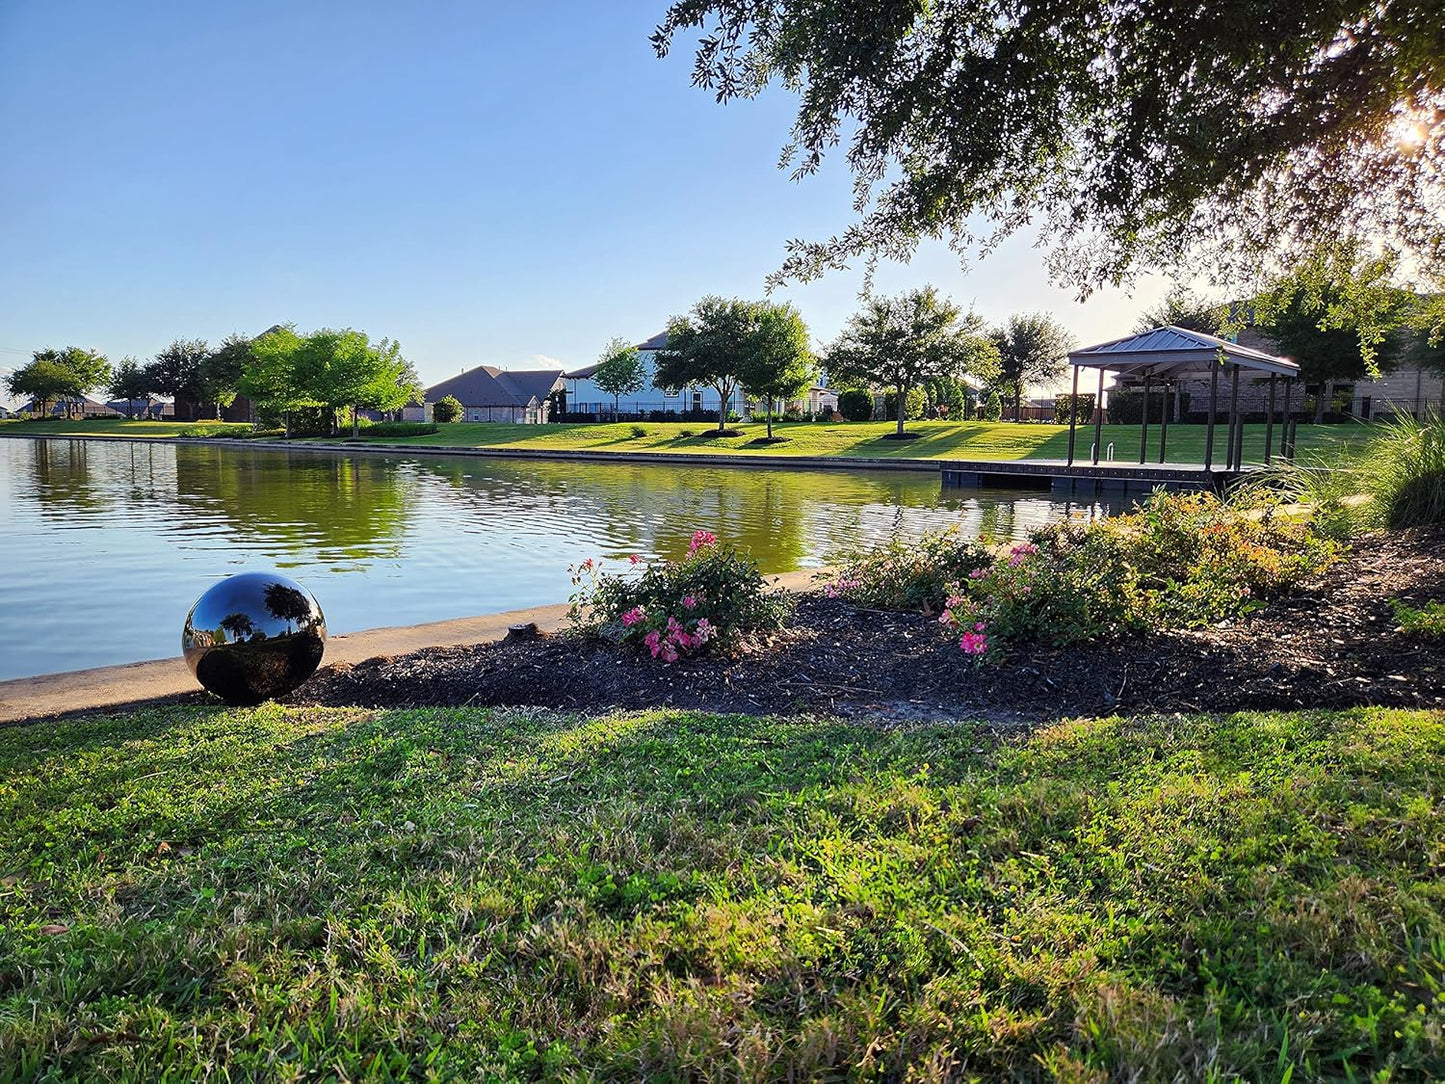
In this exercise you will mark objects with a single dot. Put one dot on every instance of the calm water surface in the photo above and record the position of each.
(104, 546)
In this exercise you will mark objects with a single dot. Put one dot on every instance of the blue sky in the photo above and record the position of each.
(486, 182)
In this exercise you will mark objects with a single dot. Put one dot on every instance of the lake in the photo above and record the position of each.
(105, 545)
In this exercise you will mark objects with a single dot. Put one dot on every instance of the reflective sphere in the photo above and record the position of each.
(254, 636)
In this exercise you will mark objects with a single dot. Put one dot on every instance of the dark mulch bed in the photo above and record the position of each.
(1332, 645)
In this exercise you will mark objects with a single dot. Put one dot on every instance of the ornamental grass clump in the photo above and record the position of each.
(713, 599)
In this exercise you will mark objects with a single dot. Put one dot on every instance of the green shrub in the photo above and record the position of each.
(1181, 560)
(447, 409)
(1064, 406)
(913, 409)
(217, 430)
(401, 429)
(992, 407)
(711, 599)
(911, 575)
(856, 405)
(1428, 622)
(638, 431)
(262, 434)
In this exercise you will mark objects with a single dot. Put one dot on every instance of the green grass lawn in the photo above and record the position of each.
(119, 427)
(937, 440)
(278, 894)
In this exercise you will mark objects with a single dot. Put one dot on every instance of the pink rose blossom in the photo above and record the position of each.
(689, 602)
(634, 616)
(978, 574)
(701, 540)
(704, 632)
(973, 643)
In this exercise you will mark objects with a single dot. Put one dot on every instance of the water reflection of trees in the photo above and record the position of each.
(342, 510)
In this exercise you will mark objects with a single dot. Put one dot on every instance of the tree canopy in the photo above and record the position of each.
(176, 370)
(1032, 348)
(900, 342)
(1139, 133)
(130, 382)
(620, 371)
(776, 363)
(71, 373)
(705, 347)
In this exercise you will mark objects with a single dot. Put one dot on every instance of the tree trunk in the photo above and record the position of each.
(1019, 401)
(902, 405)
(286, 422)
(1322, 398)
(616, 405)
(770, 417)
(722, 408)
(355, 423)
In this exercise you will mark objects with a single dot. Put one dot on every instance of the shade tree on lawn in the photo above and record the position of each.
(1032, 349)
(71, 374)
(704, 347)
(130, 382)
(776, 363)
(900, 342)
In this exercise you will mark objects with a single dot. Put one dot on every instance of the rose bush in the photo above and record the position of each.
(713, 598)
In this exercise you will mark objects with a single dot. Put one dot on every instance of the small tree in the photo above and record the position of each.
(220, 372)
(992, 406)
(776, 362)
(176, 370)
(129, 383)
(856, 405)
(44, 381)
(394, 382)
(1032, 348)
(447, 409)
(706, 347)
(899, 342)
(270, 379)
(89, 370)
(620, 372)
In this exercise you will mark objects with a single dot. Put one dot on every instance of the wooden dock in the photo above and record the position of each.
(1085, 479)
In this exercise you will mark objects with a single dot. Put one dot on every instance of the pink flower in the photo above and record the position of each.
(978, 574)
(945, 617)
(588, 563)
(979, 626)
(689, 602)
(973, 643)
(669, 653)
(704, 632)
(653, 640)
(701, 540)
(636, 557)
(634, 616)
(830, 591)
(955, 600)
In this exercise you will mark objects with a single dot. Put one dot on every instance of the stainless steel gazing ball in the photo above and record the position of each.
(253, 637)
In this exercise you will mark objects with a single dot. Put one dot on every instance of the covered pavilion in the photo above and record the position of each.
(1165, 354)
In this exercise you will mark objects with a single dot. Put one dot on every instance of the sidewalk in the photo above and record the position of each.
(110, 687)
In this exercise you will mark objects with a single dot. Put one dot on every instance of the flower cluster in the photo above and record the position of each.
(671, 609)
(841, 586)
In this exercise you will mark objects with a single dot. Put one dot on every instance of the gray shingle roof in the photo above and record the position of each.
(488, 386)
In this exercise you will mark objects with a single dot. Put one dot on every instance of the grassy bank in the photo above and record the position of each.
(936, 440)
(288, 893)
(117, 428)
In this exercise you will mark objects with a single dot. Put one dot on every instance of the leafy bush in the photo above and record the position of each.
(1181, 560)
(856, 405)
(713, 598)
(401, 429)
(1064, 405)
(638, 431)
(917, 402)
(911, 575)
(447, 409)
(992, 407)
(262, 434)
(1428, 622)
(218, 430)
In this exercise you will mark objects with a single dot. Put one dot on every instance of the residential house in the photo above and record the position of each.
(489, 394)
(143, 409)
(69, 407)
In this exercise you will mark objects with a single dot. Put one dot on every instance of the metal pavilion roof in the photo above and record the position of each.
(1175, 351)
